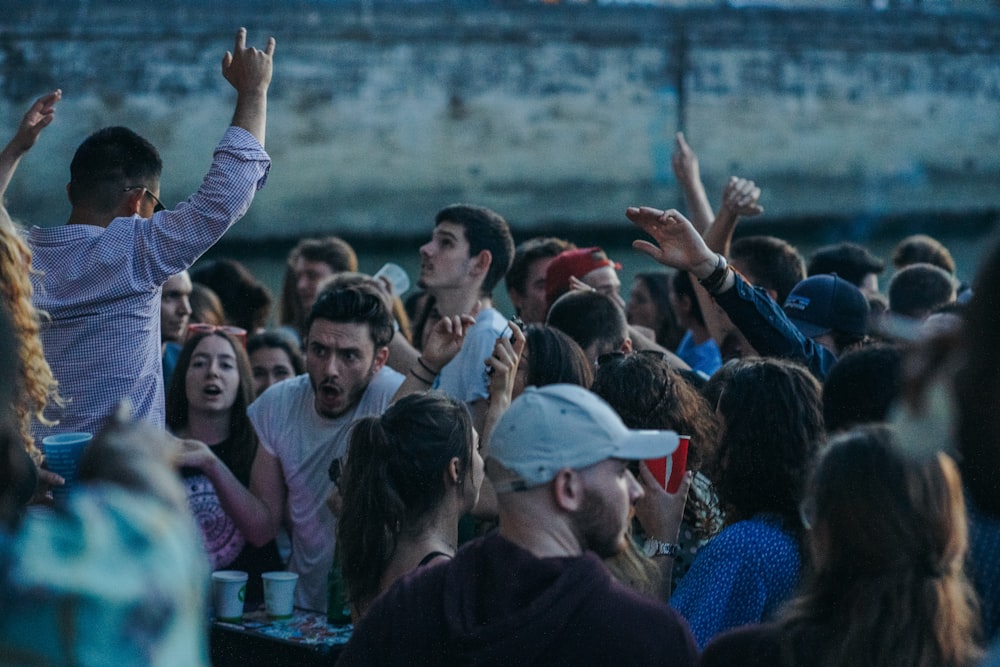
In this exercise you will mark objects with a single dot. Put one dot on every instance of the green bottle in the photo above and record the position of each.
(338, 611)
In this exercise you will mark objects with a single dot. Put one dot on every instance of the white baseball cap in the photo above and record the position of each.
(561, 426)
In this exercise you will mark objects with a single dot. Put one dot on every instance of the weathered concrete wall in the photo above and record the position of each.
(382, 113)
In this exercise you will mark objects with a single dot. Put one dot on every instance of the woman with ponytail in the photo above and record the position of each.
(887, 534)
(410, 475)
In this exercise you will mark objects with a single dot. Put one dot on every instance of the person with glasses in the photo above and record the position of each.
(99, 276)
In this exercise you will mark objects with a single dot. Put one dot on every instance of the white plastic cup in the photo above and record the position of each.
(399, 282)
(229, 590)
(62, 456)
(279, 593)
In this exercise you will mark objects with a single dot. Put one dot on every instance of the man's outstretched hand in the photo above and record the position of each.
(248, 69)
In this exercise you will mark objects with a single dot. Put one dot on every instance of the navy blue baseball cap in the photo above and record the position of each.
(825, 303)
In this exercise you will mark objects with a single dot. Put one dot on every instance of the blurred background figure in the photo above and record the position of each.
(649, 307)
(245, 300)
(273, 357)
(310, 263)
(887, 538)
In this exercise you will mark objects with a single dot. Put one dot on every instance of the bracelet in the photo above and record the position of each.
(424, 380)
(420, 360)
(713, 281)
(654, 547)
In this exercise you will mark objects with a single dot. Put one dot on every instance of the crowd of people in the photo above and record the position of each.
(483, 481)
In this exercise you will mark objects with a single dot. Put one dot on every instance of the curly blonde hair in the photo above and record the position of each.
(36, 385)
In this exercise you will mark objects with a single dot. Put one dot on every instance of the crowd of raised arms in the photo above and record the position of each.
(486, 483)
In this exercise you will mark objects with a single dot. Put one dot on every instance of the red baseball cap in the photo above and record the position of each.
(573, 263)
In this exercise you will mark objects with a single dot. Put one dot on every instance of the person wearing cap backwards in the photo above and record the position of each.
(823, 315)
(536, 591)
(588, 265)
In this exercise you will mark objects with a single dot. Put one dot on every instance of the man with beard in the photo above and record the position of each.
(536, 592)
(304, 424)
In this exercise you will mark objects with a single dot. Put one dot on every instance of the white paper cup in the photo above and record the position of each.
(396, 275)
(229, 590)
(62, 456)
(279, 591)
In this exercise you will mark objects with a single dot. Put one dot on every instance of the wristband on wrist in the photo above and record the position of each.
(420, 360)
(422, 379)
(714, 281)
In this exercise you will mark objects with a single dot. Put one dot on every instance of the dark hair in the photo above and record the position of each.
(206, 307)
(657, 283)
(107, 162)
(555, 358)
(887, 586)
(332, 251)
(245, 300)
(774, 263)
(527, 253)
(648, 394)
(241, 431)
(922, 249)
(394, 303)
(684, 287)
(279, 341)
(916, 290)
(484, 230)
(850, 261)
(862, 386)
(977, 383)
(773, 426)
(393, 480)
(362, 303)
(588, 318)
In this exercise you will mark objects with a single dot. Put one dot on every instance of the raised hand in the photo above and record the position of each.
(503, 365)
(740, 197)
(678, 243)
(445, 340)
(684, 162)
(248, 69)
(38, 117)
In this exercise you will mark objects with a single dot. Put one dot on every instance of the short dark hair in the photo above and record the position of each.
(588, 318)
(850, 261)
(916, 290)
(775, 263)
(862, 386)
(107, 162)
(484, 230)
(921, 248)
(527, 253)
(361, 303)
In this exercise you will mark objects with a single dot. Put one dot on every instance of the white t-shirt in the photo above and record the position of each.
(464, 377)
(305, 442)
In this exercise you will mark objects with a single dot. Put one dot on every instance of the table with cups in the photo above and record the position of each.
(278, 634)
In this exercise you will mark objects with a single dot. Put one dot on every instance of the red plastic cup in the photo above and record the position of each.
(669, 470)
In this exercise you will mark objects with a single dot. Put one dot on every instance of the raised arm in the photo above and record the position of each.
(35, 120)
(739, 198)
(688, 175)
(249, 71)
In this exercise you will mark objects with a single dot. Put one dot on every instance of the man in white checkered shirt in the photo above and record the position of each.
(100, 275)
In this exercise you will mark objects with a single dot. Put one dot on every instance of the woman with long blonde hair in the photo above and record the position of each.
(36, 385)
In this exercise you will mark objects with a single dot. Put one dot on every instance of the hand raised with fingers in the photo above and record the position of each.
(678, 244)
(503, 365)
(445, 340)
(578, 285)
(684, 162)
(740, 196)
(37, 118)
(248, 69)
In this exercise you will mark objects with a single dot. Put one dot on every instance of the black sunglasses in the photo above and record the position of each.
(157, 204)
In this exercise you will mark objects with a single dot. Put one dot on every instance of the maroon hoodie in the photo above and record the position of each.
(497, 604)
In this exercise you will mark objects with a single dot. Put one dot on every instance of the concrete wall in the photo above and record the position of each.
(383, 112)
